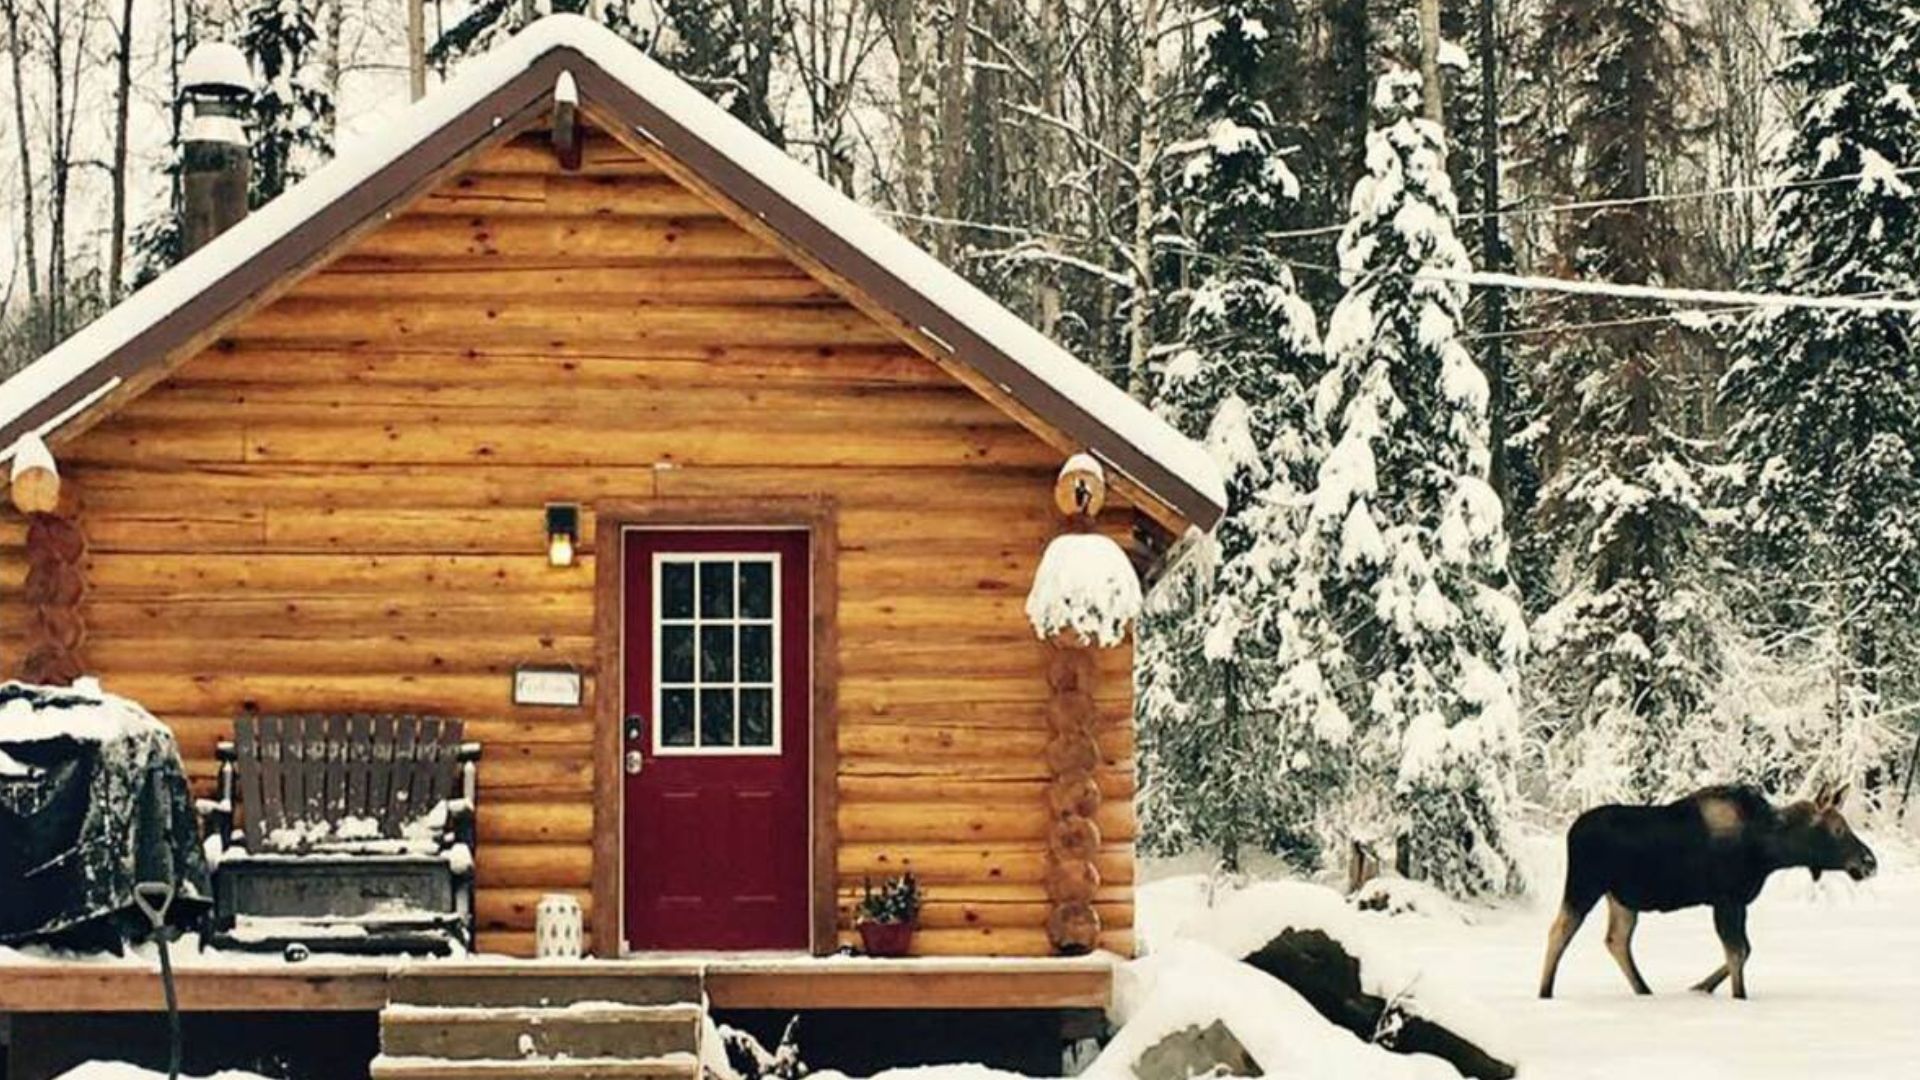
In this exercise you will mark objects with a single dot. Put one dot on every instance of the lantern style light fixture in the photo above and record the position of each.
(563, 533)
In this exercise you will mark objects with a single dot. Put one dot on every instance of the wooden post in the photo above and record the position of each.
(1073, 795)
(56, 583)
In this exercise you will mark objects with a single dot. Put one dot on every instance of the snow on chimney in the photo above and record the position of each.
(216, 85)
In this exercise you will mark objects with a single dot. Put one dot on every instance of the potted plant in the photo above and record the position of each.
(886, 916)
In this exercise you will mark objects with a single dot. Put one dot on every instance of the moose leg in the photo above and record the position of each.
(1730, 920)
(1621, 921)
(1712, 982)
(1565, 925)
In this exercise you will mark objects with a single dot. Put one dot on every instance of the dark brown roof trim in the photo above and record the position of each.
(502, 111)
(490, 119)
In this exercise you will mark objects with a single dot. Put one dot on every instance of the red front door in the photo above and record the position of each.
(718, 662)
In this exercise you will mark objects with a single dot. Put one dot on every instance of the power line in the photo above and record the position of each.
(1636, 200)
(1664, 294)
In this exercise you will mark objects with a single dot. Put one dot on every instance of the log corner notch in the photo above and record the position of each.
(567, 135)
(56, 550)
(1073, 754)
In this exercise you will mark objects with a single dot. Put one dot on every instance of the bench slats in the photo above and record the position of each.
(292, 772)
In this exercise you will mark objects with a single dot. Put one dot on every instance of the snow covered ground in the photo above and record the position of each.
(1835, 978)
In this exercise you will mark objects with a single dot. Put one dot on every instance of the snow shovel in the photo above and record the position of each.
(153, 898)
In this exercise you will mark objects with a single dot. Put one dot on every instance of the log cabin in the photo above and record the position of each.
(710, 503)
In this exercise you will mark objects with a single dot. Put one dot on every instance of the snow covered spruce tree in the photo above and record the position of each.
(293, 106)
(1222, 767)
(1408, 616)
(1626, 652)
(1825, 405)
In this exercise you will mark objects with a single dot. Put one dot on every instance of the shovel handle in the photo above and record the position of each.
(153, 898)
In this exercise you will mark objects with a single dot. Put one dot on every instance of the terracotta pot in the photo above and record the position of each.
(886, 939)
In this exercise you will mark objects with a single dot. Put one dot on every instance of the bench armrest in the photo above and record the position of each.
(218, 812)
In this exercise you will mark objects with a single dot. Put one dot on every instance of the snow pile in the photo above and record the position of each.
(1246, 921)
(30, 713)
(1085, 590)
(1192, 985)
(1403, 896)
(120, 1070)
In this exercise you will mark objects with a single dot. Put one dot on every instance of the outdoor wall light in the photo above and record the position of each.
(563, 533)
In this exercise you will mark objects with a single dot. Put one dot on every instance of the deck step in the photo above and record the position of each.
(578, 1021)
(670, 1067)
(586, 1030)
(484, 987)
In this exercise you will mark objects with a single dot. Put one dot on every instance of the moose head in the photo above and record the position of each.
(1813, 834)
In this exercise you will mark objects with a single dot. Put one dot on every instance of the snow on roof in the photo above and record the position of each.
(1085, 390)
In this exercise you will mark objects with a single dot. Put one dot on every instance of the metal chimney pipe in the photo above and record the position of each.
(217, 168)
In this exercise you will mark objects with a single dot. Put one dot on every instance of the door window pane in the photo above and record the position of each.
(716, 718)
(756, 654)
(716, 655)
(676, 654)
(676, 718)
(676, 590)
(756, 717)
(756, 589)
(716, 590)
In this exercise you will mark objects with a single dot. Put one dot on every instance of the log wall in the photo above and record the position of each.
(339, 506)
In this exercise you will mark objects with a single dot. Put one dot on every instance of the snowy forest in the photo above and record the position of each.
(1561, 354)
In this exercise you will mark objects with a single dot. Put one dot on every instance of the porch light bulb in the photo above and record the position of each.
(563, 532)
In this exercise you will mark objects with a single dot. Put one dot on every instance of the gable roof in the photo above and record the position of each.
(516, 82)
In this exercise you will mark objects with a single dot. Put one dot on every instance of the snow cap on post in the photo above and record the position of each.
(35, 482)
(1085, 593)
(565, 90)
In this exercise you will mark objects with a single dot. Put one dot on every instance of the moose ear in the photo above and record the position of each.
(1838, 796)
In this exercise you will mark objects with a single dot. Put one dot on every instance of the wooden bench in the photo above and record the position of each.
(355, 834)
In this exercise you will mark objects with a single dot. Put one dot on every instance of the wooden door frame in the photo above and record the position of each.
(817, 515)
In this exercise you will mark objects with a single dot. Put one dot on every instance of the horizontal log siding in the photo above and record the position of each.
(339, 507)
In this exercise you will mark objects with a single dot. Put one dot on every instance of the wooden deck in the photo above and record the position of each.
(755, 982)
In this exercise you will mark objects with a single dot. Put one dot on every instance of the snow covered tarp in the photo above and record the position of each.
(1193, 985)
(93, 799)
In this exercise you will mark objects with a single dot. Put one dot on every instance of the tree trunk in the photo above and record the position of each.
(16, 51)
(1493, 254)
(416, 49)
(1139, 328)
(123, 93)
(1435, 110)
(953, 147)
(336, 63)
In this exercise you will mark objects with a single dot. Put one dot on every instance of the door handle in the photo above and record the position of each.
(635, 762)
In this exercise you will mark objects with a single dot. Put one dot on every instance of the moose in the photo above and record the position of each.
(1715, 847)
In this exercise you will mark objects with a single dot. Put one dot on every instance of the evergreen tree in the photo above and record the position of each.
(1626, 649)
(1404, 610)
(726, 48)
(1220, 761)
(1826, 404)
(292, 106)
